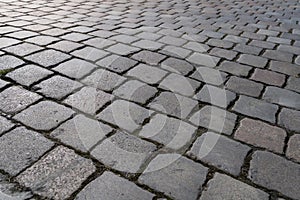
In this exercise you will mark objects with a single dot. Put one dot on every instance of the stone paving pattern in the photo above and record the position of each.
(154, 99)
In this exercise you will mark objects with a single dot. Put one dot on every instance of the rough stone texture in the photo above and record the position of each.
(209, 75)
(203, 60)
(20, 148)
(282, 97)
(5, 124)
(268, 77)
(148, 57)
(173, 104)
(215, 119)
(235, 68)
(260, 134)
(175, 176)
(89, 53)
(293, 83)
(289, 119)
(57, 87)
(179, 84)
(15, 99)
(44, 177)
(44, 115)
(104, 80)
(48, 58)
(116, 63)
(136, 91)
(9, 62)
(293, 150)
(29, 74)
(252, 60)
(147, 73)
(88, 100)
(274, 172)
(3, 84)
(81, 132)
(244, 86)
(176, 65)
(123, 152)
(256, 108)
(110, 186)
(75, 68)
(219, 151)
(23, 49)
(124, 114)
(223, 187)
(215, 96)
(171, 132)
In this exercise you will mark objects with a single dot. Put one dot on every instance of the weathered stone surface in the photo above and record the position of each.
(171, 132)
(209, 75)
(274, 172)
(244, 86)
(261, 134)
(136, 91)
(203, 60)
(223, 187)
(256, 108)
(57, 87)
(149, 57)
(173, 104)
(29, 74)
(147, 73)
(282, 97)
(122, 49)
(110, 186)
(177, 66)
(75, 68)
(116, 63)
(174, 175)
(293, 150)
(3, 84)
(268, 77)
(123, 152)
(5, 124)
(234, 68)
(90, 53)
(5, 42)
(20, 148)
(44, 115)
(104, 80)
(45, 178)
(9, 62)
(23, 49)
(81, 132)
(15, 99)
(88, 100)
(179, 84)
(252, 60)
(48, 58)
(293, 83)
(215, 119)
(289, 119)
(220, 151)
(124, 114)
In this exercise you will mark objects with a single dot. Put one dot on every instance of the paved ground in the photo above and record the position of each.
(153, 99)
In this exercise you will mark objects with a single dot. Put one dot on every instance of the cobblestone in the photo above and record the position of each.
(276, 173)
(256, 108)
(146, 73)
(149, 57)
(268, 77)
(9, 62)
(20, 148)
(110, 186)
(289, 119)
(252, 60)
(223, 187)
(293, 150)
(176, 65)
(261, 134)
(117, 63)
(46, 173)
(23, 49)
(220, 152)
(293, 83)
(175, 169)
(48, 58)
(244, 86)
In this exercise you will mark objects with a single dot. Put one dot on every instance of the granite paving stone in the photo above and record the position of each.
(136, 91)
(48, 58)
(209, 75)
(256, 108)
(171, 132)
(29, 74)
(116, 63)
(289, 119)
(293, 150)
(124, 114)
(276, 173)
(175, 176)
(42, 40)
(104, 80)
(203, 60)
(57, 87)
(123, 152)
(244, 86)
(146, 73)
(255, 61)
(214, 118)
(81, 132)
(65, 46)
(20, 148)
(8, 62)
(5, 124)
(110, 186)
(5, 42)
(148, 57)
(46, 173)
(23, 49)
(3, 84)
(293, 83)
(268, 77)
(15, 99)
(122, 49)
(44, 115)
(285, 68)
(177, 66)
(223, 187)
(261, 134)
(90, 53)
(88, 100)
(75, 68)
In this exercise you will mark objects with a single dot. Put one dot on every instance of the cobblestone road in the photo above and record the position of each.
(150, 99)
